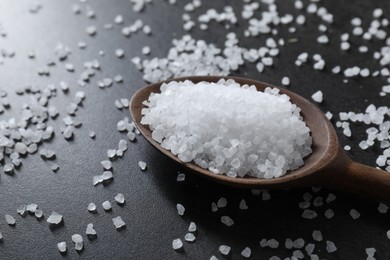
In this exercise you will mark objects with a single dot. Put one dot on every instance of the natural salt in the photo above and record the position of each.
(186, 119)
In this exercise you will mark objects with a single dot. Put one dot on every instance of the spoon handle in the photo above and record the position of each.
(364, 180)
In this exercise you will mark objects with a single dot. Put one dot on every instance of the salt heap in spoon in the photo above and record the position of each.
(228, 128)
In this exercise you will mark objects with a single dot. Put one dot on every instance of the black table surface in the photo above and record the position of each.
(152, 221)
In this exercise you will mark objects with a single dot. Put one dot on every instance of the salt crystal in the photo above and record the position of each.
(317, 235)
(91, 207)
(120, 199)
(180, 177)
(309, 214)
(38, 213)
(146, 50)
(192, 227)
(383, 208)
(106, 205)
(243, 205)
(189, 237)
(330, 247)
(285, 81)
(354, 213)
(8, 168)
(90, 230)
(118, 222)
(246, 252)
(54, 218)
(177, 244)
(31, 207)
(222, 202)
(225, 250)
(227, 221)
(79, 246)
(22, 210)
(10, 220)
(317, 96)
(61, 247)
(91, 30)
(142, 165)
(213, 257)
(106, 164)
(111, 153)
(388, 234)
(180, 209)
(329, 213)
(120, 53)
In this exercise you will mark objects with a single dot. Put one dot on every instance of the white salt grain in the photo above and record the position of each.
(318, 96)
(91, 207)
(243, 205)
(120, 199)
(61, 247)
(31, 207)
(192, 227)
(10, 220)
(22, 210)
(177, 244)
(107, 165)
(119, 53)
(38, 213)
(118, 222)
(225, 250)
(142, 165)
(222, 202)
(54, 218)
(309, 214)
(106, 205)
(383, 208)
(285, 81)
(317, 235)
(354, 214)
(329, 213)
(189, 237)
(90, 230)
(180, 177)
(227, 221)
(246, 252)
(180, 209)
(330, 247)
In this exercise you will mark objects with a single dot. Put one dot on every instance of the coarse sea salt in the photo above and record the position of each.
(186, 119)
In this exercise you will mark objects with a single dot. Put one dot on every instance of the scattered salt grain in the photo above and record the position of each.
(192, 227)
(180, 177)
(146, 50)
(189, 237)
(38, 213)
(318, 96)
(61, 247)
(8, 168)
(90, 231)
(246, 252)
(309, 214)
(111, 153)
(22, 210)
(120, 199)
(243, 205)
(107, 165)
(317, 235)
(177, 244)
(222, 202)
(354, 214)
(224, 249)
(118, 222)
(227, 221)
(91, 30)
(388, 234)
(106, 205)
(54, 218)
(330, 247)
(31, 208)
(180, 209)
(329, 213)
(142, 165)
(285, 81)
(370, 252)
(10, 220)
(119, 53)
(91, 207)
(383, 208)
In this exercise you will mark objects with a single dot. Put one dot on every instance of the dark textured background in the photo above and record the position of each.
(150, 211)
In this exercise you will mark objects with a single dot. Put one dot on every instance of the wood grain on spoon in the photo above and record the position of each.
(327, 165)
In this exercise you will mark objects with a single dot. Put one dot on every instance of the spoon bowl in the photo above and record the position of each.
(326, 166)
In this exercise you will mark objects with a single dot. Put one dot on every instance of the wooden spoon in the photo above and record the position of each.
(327, 166)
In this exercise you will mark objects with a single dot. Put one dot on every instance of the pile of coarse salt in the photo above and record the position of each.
(228, 128)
